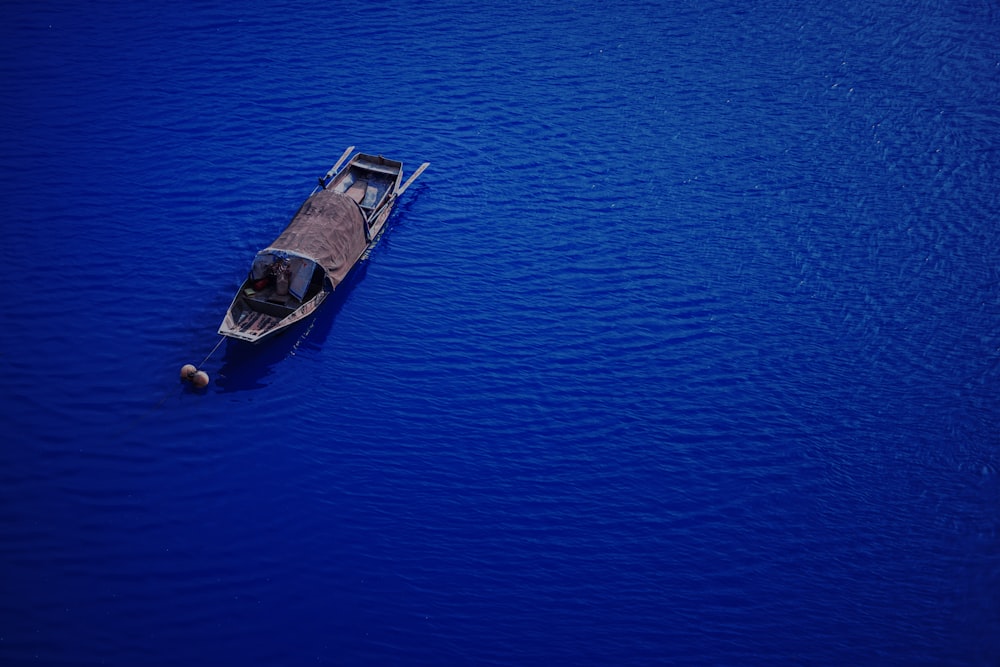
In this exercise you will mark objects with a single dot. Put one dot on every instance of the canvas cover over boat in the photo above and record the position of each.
(328, 229)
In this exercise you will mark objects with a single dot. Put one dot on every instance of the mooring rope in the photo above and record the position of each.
(221, 340)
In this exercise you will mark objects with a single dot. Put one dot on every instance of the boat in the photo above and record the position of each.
(338, 224)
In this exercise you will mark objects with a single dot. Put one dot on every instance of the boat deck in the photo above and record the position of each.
(270, 296)
(260, 310)
(252, 321)
(367, 189)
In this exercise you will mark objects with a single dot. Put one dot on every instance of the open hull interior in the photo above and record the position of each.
(262, 302)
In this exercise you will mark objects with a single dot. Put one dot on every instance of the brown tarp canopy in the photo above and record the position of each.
(328, 229)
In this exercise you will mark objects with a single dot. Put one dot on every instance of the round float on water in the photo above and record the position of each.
(200, 379)
(188, 371)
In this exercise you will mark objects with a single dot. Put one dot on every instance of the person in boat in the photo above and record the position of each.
(281, 271)
(277, 273)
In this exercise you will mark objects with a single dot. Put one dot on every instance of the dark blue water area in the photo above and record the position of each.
(683, 350)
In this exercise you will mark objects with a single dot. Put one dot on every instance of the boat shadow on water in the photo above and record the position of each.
(246, 366)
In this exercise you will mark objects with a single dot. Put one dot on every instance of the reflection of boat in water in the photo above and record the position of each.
(340, 221)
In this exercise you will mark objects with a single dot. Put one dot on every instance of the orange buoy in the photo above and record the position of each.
(200, 379)
(188, 371)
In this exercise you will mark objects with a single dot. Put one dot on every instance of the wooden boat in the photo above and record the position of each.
(336, 226)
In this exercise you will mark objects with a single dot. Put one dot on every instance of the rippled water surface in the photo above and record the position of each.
(683, 350)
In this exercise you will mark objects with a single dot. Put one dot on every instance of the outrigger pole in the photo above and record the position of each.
(409, 181)
(333, 169)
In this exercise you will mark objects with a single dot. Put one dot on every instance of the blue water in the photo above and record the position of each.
(683, 351)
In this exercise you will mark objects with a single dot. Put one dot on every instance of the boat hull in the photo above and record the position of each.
(337, 226)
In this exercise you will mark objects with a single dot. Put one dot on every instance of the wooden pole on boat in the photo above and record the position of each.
(413, 177)
(409, 181)
(333, 169)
